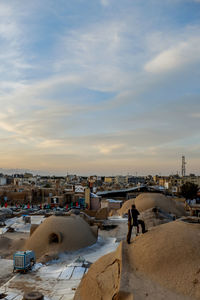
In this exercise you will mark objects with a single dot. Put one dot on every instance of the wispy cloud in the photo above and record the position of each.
(13, 56)
(105, 92)
(98, 47)
(107, 149)
(105, 2)
(172, 59)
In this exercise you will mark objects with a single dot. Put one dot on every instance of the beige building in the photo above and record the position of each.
(191, 178)
(109, 180)
(120, 179)
(174, 183)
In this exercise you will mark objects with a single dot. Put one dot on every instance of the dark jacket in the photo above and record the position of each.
(133, 216)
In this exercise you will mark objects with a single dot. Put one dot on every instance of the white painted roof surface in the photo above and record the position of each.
(18, 223)
(58, 279)
(114, 201)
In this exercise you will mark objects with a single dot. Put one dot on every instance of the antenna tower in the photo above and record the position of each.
(183, 166)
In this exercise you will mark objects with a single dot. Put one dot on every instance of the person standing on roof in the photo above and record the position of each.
(133, 214)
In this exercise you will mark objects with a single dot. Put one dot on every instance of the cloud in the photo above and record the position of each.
(107, 149)
(105, 2)
(172, 59)
(95, 53)
(84, 91)
(196, 115)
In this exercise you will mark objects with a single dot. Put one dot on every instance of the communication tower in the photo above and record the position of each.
(183, 166)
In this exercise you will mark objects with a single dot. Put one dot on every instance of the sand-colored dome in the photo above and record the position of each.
(167, 258)
(126, 206)
(169, 254)
(149, 200)
(102, 281)
(58, 234)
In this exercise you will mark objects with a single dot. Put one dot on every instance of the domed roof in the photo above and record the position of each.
(149, 200)
(169, 254)
(59, 234)
(126, 206)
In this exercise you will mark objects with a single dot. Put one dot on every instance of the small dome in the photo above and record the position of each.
(58, 234)
(149, 200)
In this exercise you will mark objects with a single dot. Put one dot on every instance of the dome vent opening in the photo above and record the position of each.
(55, 238)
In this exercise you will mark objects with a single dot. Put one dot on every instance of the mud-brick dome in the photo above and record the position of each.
(58, 234)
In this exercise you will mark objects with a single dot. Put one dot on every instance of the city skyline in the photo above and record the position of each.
(135, 173)
(100, 87)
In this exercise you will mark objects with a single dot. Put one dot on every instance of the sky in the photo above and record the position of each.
(100, 87)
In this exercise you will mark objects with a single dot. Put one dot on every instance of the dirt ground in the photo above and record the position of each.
(6, 268)
(11, 242)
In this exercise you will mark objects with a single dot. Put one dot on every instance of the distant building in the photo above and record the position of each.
(109, 180)
(56, 200)
(120, 179)
(3, 180)
(173, 183)
(135, 180)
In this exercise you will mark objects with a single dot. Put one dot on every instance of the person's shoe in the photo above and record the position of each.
(145, 231)
(128, 242)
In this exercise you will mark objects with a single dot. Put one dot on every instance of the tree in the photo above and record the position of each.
(189, 190)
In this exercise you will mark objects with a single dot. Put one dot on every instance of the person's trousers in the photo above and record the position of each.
(140, 222)
(130, 227)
